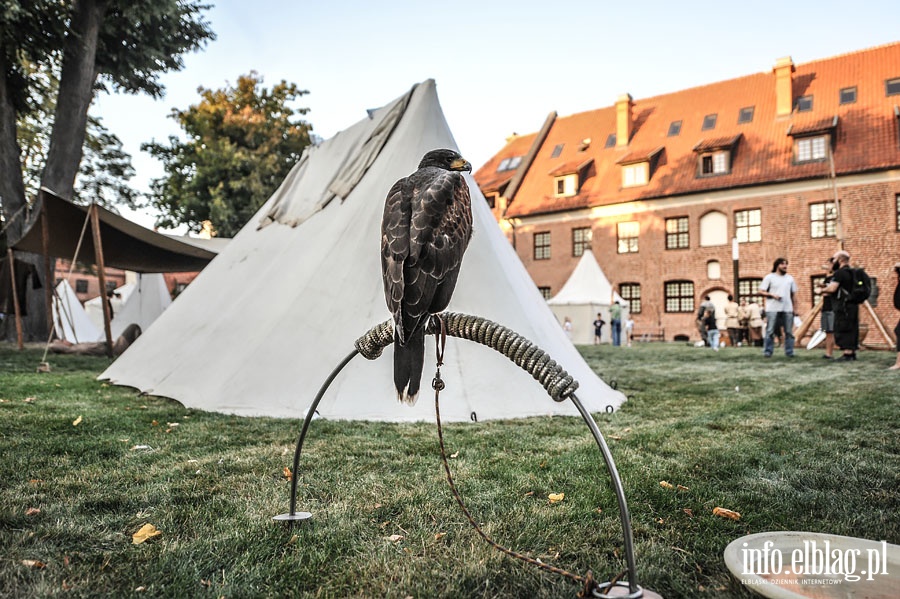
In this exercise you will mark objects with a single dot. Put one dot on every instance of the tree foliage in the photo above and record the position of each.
(241, 141)
(121, 45)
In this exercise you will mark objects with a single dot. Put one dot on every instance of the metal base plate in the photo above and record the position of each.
(295, 517)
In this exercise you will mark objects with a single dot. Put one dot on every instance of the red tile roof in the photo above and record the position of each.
(867, 136)
(487, 177)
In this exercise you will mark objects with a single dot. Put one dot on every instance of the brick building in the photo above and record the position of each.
(797, 162)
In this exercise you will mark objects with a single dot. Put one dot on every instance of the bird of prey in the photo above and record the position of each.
(426, 227)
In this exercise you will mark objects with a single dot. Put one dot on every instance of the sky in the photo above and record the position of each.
(500, 67)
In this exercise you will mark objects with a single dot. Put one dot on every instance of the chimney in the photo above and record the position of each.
(784, 86)
(624, 121)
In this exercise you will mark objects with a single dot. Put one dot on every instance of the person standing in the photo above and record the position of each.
(780, 291)
(712, 329)
(705, 305)
(615, 317)
(744, 321)
(896, 365)
(732, 321)
(755, 323)
(827, 319)
(598, 328)
(629, 330)
(567, 327)
(846, 315)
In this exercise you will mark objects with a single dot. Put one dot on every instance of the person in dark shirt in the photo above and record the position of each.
(846, 315)
(827, 318)
(598, 328)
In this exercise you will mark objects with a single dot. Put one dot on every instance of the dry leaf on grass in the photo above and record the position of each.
(454, 455)
(140, 447)
(439, 536)
(683, 488)
(287, 473)
(147, 531)
(395, 538)
(33, 563)
(29, 399)
(556, 497)
(666, 484)
(77, 421)
(725, 513)
(32, 511)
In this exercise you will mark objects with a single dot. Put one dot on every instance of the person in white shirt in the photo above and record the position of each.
(780, 291)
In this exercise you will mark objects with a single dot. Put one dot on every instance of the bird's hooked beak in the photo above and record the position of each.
(461, 164)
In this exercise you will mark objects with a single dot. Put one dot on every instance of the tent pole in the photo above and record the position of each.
(808, 319)
(880, 325)
(101, 275)
(15, 294)
(48, 283)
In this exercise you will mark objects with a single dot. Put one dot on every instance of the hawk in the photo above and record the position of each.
(426, 227)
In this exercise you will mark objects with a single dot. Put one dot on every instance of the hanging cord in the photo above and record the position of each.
(587, 581)
(13, 218)
(68, 282)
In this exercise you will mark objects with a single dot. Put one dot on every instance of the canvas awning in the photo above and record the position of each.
(126, 245)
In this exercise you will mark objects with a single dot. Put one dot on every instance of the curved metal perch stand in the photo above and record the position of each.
(559, 385)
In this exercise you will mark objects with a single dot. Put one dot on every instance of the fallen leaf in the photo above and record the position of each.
(689, 512)
(440, 536)
(172, 424)
(77, 421)
(682, 488)
(599, 510)
(529, 493)
(36, 481)
(140, 447)
(725, 513)
(140, 589)
(154, 422)
(293, 540)
(287, 473)
(32, 511)
(454, 455)
(147, 531)
(66, 586)
(29, 399)
(660, 521)
(205, 582)
(33, 563)
(395, 538)
(556, 497)
(666, 484)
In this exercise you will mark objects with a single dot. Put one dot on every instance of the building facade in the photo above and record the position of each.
(697, 192)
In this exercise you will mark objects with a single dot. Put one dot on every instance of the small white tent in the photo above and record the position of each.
(141, 302)
(263, 326)
(586, 293)
(69, 318)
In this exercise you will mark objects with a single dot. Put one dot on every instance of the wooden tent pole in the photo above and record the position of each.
(15, 294)
(48, 283)
(808, 319)
(101, 275)
(884, 333)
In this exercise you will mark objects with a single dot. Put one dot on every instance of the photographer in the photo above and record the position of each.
(896, 365)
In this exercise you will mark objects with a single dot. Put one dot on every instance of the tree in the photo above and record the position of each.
(241, 143)
(123, 45)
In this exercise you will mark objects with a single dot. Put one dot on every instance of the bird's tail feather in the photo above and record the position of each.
(408, 362)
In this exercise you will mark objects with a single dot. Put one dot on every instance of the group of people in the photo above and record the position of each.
(839, 319)
(620, 328)
(743, 322)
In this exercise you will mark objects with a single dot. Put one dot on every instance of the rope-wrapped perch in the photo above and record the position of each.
(528, 356)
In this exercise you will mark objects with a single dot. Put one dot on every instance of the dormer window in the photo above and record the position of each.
(637, 167)
(508, 164)
(811, 142)
(714, 156)
(635, 174)
(568, 178)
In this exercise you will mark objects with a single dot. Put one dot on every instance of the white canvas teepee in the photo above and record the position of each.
(70, 320)
(261, 328)
(140, 302)
(586, 293)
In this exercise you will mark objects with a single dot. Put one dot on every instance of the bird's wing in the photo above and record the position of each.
(395, 248)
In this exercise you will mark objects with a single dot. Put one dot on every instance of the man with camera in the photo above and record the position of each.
(846, 314)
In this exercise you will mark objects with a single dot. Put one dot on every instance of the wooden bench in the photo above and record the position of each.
(649, 334)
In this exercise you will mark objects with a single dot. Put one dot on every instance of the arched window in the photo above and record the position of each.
(713, 229)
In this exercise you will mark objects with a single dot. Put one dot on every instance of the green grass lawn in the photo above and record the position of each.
(790, 444)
